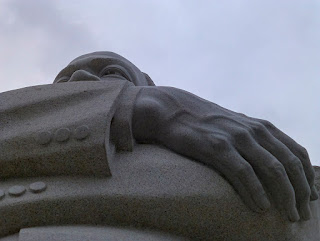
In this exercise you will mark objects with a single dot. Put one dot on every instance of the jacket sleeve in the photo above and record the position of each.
(63, 129)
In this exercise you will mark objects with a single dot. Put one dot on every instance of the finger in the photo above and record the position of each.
(243, 178)
(314, 193)
(298, 151)
(272, 174)
(302, 154)
(229, 163)
(294, 169)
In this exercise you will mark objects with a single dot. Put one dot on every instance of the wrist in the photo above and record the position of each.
(121, 133)
(147, 115)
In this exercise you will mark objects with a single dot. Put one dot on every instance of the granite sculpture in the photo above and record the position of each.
(105, 148)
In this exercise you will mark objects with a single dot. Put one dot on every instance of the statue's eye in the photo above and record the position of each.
(112, 71)
(115, 70)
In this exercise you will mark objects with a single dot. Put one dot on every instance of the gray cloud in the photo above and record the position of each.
(36, 40)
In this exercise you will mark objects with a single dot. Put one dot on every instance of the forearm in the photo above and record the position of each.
(156, 108)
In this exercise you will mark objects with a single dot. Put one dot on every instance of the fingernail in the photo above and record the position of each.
(294, 215)
(263, 202)
(305, 212)
(314, 194)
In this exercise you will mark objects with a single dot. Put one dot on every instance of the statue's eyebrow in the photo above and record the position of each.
(98, 63)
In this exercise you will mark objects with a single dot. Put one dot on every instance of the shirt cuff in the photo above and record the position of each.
(121, 125)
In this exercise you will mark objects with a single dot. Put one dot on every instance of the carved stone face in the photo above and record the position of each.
(101, 66)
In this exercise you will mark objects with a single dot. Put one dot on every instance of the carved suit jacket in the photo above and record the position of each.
(64, 128)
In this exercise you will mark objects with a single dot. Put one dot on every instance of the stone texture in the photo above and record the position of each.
(152, 189)
(91, 234)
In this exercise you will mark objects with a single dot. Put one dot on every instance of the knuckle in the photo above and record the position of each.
(305, 161)
(290, 198)
(277, 169)
(243, 170)
(311, 176)
(243, 115)
(304, 153)
(258, 128)
(267, 124)
(296, 163)
(241, 135)
(305, 194)
(220, 142)
(294, 166)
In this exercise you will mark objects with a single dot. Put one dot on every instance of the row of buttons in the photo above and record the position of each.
(63, 134)
(17, 191)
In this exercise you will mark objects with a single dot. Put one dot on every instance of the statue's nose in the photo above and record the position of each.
(82, 75)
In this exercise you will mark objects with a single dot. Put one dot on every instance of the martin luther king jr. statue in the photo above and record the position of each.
(104, 154)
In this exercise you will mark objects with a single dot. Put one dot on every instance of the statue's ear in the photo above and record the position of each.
(149, 80)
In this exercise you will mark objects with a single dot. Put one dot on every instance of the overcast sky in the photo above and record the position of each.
(257, 57)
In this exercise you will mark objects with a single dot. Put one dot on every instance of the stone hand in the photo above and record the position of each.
(262, 163)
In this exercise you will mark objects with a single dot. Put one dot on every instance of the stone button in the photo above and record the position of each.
(44, 138)
(2, 194)
(17, 191)
(82, 132)
(38, 187)
(62, 135)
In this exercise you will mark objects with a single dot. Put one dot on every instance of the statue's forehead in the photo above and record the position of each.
(101, 54)
(94, 63)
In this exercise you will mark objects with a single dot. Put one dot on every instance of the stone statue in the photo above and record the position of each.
(106, 148)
